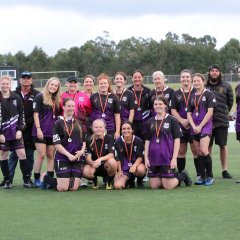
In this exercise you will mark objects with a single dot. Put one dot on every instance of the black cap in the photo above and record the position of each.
(72, 79)
(26, 74)
(214, 66)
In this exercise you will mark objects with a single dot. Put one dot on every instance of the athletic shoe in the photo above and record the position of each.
(145, 179)
(95, 183)
(130, 183)
(187, 180)
(83, 182)
(199, 181)
(29, 184)
(140, 184)
(37, 182)
(226, 174)
(109, 186)
(7, 185)
(209, 181)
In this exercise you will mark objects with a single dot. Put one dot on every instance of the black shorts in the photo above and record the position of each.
(68, 169)
(186, 138)
(198, 137)
(220, 135)
(46, 140)
(238, 136)
(161, 172)
(101, 171)
(12, 145)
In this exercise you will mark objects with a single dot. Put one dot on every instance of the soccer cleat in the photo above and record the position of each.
(95, 183)
(187, 180)
(109, 186)
(199, 181)
(83, 183)
(7, 185)
(37, 182)
(226, 174)
(2, 183)
(29, 184)
(209, 181)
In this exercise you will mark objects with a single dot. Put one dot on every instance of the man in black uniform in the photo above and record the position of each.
(224, 97)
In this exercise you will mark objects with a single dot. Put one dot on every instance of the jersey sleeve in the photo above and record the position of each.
(58, 132)
(37, 103)
(176, 130)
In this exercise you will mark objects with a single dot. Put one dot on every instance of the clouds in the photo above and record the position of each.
(54, 25)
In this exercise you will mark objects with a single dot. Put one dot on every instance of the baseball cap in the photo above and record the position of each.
(72, 79)
(26, 74)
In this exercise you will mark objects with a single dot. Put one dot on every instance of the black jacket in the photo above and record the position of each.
(28, 112)
(224, 97)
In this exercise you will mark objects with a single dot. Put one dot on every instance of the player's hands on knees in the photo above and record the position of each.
(18, 135)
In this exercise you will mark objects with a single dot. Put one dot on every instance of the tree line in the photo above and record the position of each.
(169, 55)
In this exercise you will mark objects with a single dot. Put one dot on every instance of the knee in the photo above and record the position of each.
(62, 188)
(74, 188)
(118, 185)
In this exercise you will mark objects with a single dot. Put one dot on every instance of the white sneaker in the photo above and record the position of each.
(83, 182)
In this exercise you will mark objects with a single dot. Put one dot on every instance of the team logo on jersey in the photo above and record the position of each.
(56, 138)
(166, 125)
(110, 100)
(214, 100)
(34, 105)
(106, 146)
(124, 99)
(15, 102)
(179, 97)
(135, 148)
(204, 98)
(81, 99)
(167, 95)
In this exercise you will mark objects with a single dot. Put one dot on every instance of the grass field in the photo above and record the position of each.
(194, 213)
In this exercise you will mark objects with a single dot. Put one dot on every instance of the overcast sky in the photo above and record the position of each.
(56, 24)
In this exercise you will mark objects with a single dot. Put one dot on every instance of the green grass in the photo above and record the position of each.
(192, 213)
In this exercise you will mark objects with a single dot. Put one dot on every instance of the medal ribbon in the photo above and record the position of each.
(160, 126)
(69, 132)
(184, 96)
(131, 148)
(105, 104)
(196, 103)
(95, 145)
(138, 100)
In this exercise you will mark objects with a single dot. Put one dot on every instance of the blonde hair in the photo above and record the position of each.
(156, 73)
(6, 77)
(93, 137)
(51, 99)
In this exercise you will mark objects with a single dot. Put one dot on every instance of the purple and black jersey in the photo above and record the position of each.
(60, 136)
(166, 93)
(142, 112)
(161, 152)
(121, 154)
(112, 107)
(178, 103)
(108, 147)
(11, 116)
(127, 103)
(207, 101)
(46, 116)
(237, 92)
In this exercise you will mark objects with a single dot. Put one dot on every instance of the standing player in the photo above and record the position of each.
(142, 105)
(179, 105)
(160, 89)
(100, 156)
(106, 106)
(46, 107)
(12, 123)
(161, 149)
(129, 154)
(70, 147)
(200, 111)
(125, 97)
(224, 97)
(88, 84)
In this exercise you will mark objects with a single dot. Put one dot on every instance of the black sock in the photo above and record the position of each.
(208, 165)
(5, 170)
(180, 176)
(52, 182)
(196, 163)
(140, 179)
(24, 169)
(201, 165)
(50, 173)
(109, 179)
(36, 176)
(181, 164)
